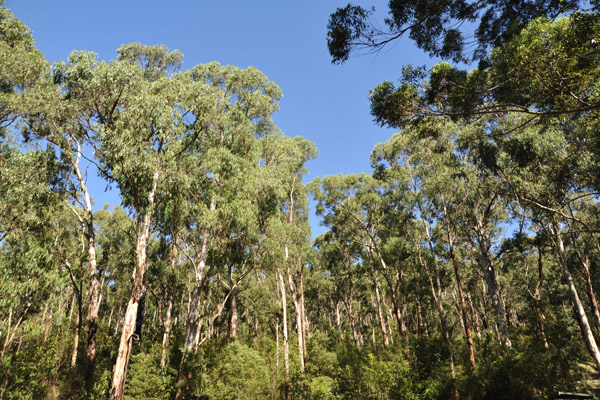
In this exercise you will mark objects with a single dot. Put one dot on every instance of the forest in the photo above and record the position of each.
(464, 265)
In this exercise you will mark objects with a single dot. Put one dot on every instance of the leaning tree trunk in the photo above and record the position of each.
(584, 324)
(137, 291)
(585, 263)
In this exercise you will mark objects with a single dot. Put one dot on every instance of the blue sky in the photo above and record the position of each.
(286, 40)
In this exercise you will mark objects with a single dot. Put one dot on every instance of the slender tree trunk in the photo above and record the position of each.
(165, 341)
(117, 319)
(286, 350)
(94, 287)
(305, 326)
(137, 291)
(194, 307)
(233, 325)
(139, 320)
(585, 263)
(298, 310)
(493, 289)
(584, 324)
(167, 321)
(77, 328)
(474, 315)
(536, 296)
(338, 320)
(110, 316)
(300, 334)
(463, 307)
(386, 341)
(352, 320)
(393, 296)
(277, 344)
(437, 296)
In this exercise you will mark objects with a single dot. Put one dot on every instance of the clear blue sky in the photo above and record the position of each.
(286, 40)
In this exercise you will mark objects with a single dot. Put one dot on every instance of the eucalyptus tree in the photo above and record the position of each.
(545, 178)
(340, 257)
(29, 96)
(23, 68)
(448, 30)
(357, 202)
(227, 154)
(40, 263)
(55, 124)
(297, 246)
(425, 153)
(144, 118)
(285, 248)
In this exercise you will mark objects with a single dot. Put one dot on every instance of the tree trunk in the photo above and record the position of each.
(386, 341)
(585, 263)
(463, 307)
(94, 288)
(584, 324)
(536, 296)
(277, 344)
(167, 321)
(298, 310)
(305, 326)
(77, 328)
(194, 307)
(165, 341)
(139, 320)
(437, 296)
(233, 325)
(286, 350)
(493, 289)
(137, 291)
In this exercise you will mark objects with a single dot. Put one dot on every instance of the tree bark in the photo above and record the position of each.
(585, 263)
(305, 326)
(233, 325)
(77, 327)
(166, 334)
(437, 296)
(94, 288)
(386, 341)
(137, 291)
(463, 307)
(489, 275)
(584, 324)
(286, 350)
(194, 307)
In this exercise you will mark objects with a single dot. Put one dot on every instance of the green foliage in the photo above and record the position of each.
(447, 30)
(239, 372)
(144, 378)
(229, 210)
